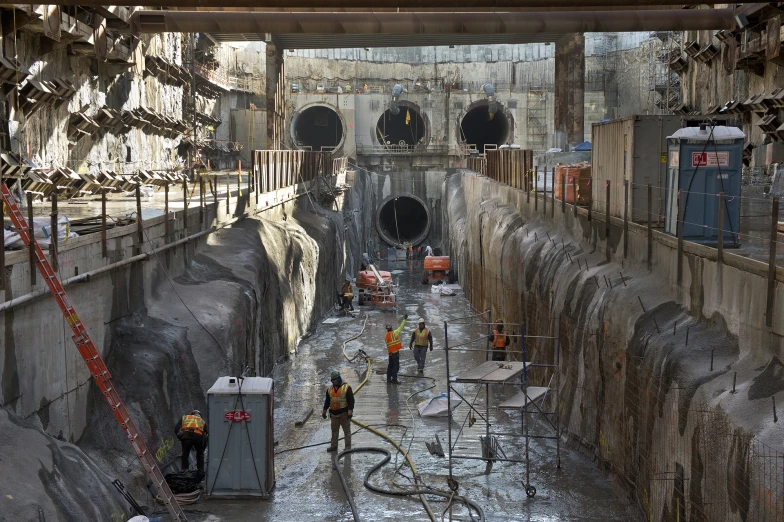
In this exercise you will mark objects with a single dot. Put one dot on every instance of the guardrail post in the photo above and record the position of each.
(544, 192)
(139, 226)
(720, 243)
(625, 218)
(184, 205)
(166, 224)
(563, 192)
(574, 194)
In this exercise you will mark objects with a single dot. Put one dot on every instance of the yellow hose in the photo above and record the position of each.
(381, 434)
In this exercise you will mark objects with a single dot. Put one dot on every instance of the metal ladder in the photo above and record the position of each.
(93, 359)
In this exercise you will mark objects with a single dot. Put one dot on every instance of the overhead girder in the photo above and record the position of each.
(497, 5)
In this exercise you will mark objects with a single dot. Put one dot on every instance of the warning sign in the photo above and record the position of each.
(710, 159)
(675, 158)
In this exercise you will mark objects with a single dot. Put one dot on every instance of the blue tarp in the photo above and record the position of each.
(586, 145)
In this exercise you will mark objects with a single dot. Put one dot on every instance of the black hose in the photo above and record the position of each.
(413, 492)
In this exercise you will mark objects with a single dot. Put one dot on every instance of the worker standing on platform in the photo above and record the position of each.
(428, 251)
(393, 348)
(340, 404)
(192, 432)
(499, 340)
(419, 340)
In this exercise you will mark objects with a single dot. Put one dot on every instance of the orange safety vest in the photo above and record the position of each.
(193, 423)
(393, 343)
(420, 338)
(499, 339)
(337, 398)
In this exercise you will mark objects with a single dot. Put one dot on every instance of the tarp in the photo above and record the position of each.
(438, 406)
(42, 232)
(586, 145)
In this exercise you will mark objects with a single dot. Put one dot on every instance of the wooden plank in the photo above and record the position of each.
(480, 371)
(492, 372)
(518, 401)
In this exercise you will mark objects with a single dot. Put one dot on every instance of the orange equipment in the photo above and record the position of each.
(437, 269)
(375, 288)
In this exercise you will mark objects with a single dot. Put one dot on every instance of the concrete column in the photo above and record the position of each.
(569, 90)
(276, 107)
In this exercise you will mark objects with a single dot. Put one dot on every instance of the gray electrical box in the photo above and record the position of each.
(241, 438)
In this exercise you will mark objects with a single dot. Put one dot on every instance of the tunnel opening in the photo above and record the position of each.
(404, 129)
(317, 128)
(403, 220)
(481, 128)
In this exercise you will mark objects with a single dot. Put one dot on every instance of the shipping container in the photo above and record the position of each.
(703, 162)
(241, 461)
(635, 150)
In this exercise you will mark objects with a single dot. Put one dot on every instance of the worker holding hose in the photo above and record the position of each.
(393, 348)
(340, 404)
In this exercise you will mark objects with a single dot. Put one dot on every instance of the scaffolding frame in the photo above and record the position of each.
(490, 448)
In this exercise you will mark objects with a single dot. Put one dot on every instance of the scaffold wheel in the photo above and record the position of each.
(530, 491)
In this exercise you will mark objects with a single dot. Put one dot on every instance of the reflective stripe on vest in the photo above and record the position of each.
(337, 399)
(499, 339)
(393, 343)
(193, 423)
(420, 338)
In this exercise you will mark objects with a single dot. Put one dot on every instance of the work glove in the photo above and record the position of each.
(431, 348)
(324, 414)
(350, 413)
(405, 316)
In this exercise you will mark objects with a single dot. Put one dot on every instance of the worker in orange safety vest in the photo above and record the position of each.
(393, 349)
(499, 340)
(339, 402)
(192, 432)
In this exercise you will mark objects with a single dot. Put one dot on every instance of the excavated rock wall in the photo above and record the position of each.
(646, 371)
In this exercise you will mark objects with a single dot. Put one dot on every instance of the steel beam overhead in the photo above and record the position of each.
(351, 29)
(498, 5)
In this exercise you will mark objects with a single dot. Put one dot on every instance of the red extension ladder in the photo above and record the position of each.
(93, 359)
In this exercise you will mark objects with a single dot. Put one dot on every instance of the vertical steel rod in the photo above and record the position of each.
(650, 229)
(536, 190)
(680, 237)
(607, 218)
(185, 206)
(31, 232)
(166, 224)
(772, 262)
(53, 226)
(448, 394)
(139, 226)
(544, 192)
(552, 198)
(487, 386)
(625, 218)
(720, 245)
(563, 192)
(574, 194)
(557, 399)
(104, 246)
(228, 197)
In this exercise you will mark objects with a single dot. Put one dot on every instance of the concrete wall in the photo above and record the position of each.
(633, 389)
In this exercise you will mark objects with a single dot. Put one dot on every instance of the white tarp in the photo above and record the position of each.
(438, 406)
(441, 290)
(42, 231)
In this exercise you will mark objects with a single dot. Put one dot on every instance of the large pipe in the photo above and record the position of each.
(347, 23)
(404, 4)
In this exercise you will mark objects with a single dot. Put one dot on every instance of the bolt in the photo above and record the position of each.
(597, 281)
(656, 324)
(642, 305)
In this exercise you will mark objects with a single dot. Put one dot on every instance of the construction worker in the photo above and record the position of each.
(393, 348)
(347, 295)
(192, 432)
(410, 252)
(419, 340)
(499, 340)
(428, 251)
(340, 403)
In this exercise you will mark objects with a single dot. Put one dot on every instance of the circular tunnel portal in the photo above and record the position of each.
(403, 220)
(479, 127)
(406, 128)
(317, 127)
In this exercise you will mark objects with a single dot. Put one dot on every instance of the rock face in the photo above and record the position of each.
(52, 480)
(639, 375)
(241, 304)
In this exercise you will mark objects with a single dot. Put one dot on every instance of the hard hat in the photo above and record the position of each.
(421, 321)
(388, 326)
(196, 412)
(334, 375)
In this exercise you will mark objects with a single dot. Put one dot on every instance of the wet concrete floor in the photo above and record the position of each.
(308, 489)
